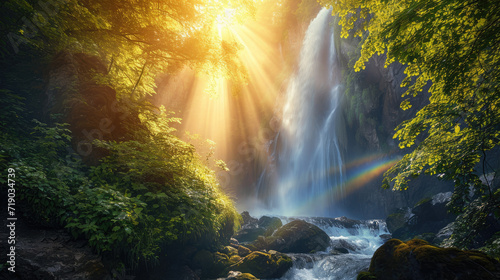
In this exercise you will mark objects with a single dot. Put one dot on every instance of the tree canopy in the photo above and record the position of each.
(137, 39)
(453, 49)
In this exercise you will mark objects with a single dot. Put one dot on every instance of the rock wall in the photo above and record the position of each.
(372, 111)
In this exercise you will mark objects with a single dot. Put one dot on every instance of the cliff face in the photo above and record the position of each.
(372, 112)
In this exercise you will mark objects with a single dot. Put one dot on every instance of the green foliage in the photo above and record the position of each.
(146, 198)
(454, 45)
(152, 192)
(181, 193)
(137, 40)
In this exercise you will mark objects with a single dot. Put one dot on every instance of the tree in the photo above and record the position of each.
(453, 46)
(137, 39)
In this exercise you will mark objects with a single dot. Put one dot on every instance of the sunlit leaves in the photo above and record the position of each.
(139, 39)
(455, 46)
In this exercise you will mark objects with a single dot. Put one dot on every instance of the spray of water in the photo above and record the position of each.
(309, 172)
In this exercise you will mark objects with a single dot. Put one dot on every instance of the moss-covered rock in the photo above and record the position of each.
(243, 251)
(396, 220)
(364, 275)
(296, 237)
(264, 265)
(417, 259)
(213, 265)
(230, 251)
(236, 275)
(270, 224)
(235, 259)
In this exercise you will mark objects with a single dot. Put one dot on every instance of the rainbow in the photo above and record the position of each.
(359, 173)
(364, 172)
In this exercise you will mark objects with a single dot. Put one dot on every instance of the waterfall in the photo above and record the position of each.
(308, 174)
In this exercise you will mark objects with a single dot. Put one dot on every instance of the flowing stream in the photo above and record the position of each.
(360, 240)
(308, 174)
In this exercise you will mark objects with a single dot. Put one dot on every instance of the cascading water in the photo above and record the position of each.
(361, 241)
(306, 174)
(307, 155)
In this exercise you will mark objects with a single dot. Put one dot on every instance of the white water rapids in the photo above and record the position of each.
(361, 241)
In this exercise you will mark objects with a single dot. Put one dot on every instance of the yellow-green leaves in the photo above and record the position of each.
(405, 105)
(452, 46)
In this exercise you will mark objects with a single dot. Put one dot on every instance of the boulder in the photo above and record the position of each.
(339, 251)
(344, 245)
(252, 228)
(296, 237)
(424, 220)
(212, 265)
(385, 237)
(249, 229)
(237, 275)
(230, 251)
(264, 265)
(445, 233)
(270, 224)
(417, 259)
(397, 219)
(246, 235)
(434, 209)
(248, 221)
(234, 242)
(243, 251)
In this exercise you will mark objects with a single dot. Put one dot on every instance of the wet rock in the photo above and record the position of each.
(234, 242)
(249, 229)
(235, 259)
(417, 259)
(264, 265)
(385, 237)
(243, 251)
(339, 251)
(434, 209)
(397, 219)
(344, 245)
(237, 275)
(230, 251)
(270, 224)
(248, 221)
(51, 254)
(445, 233)
(252, 228)
(246, 235)
(424, 220)
(296, 237)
